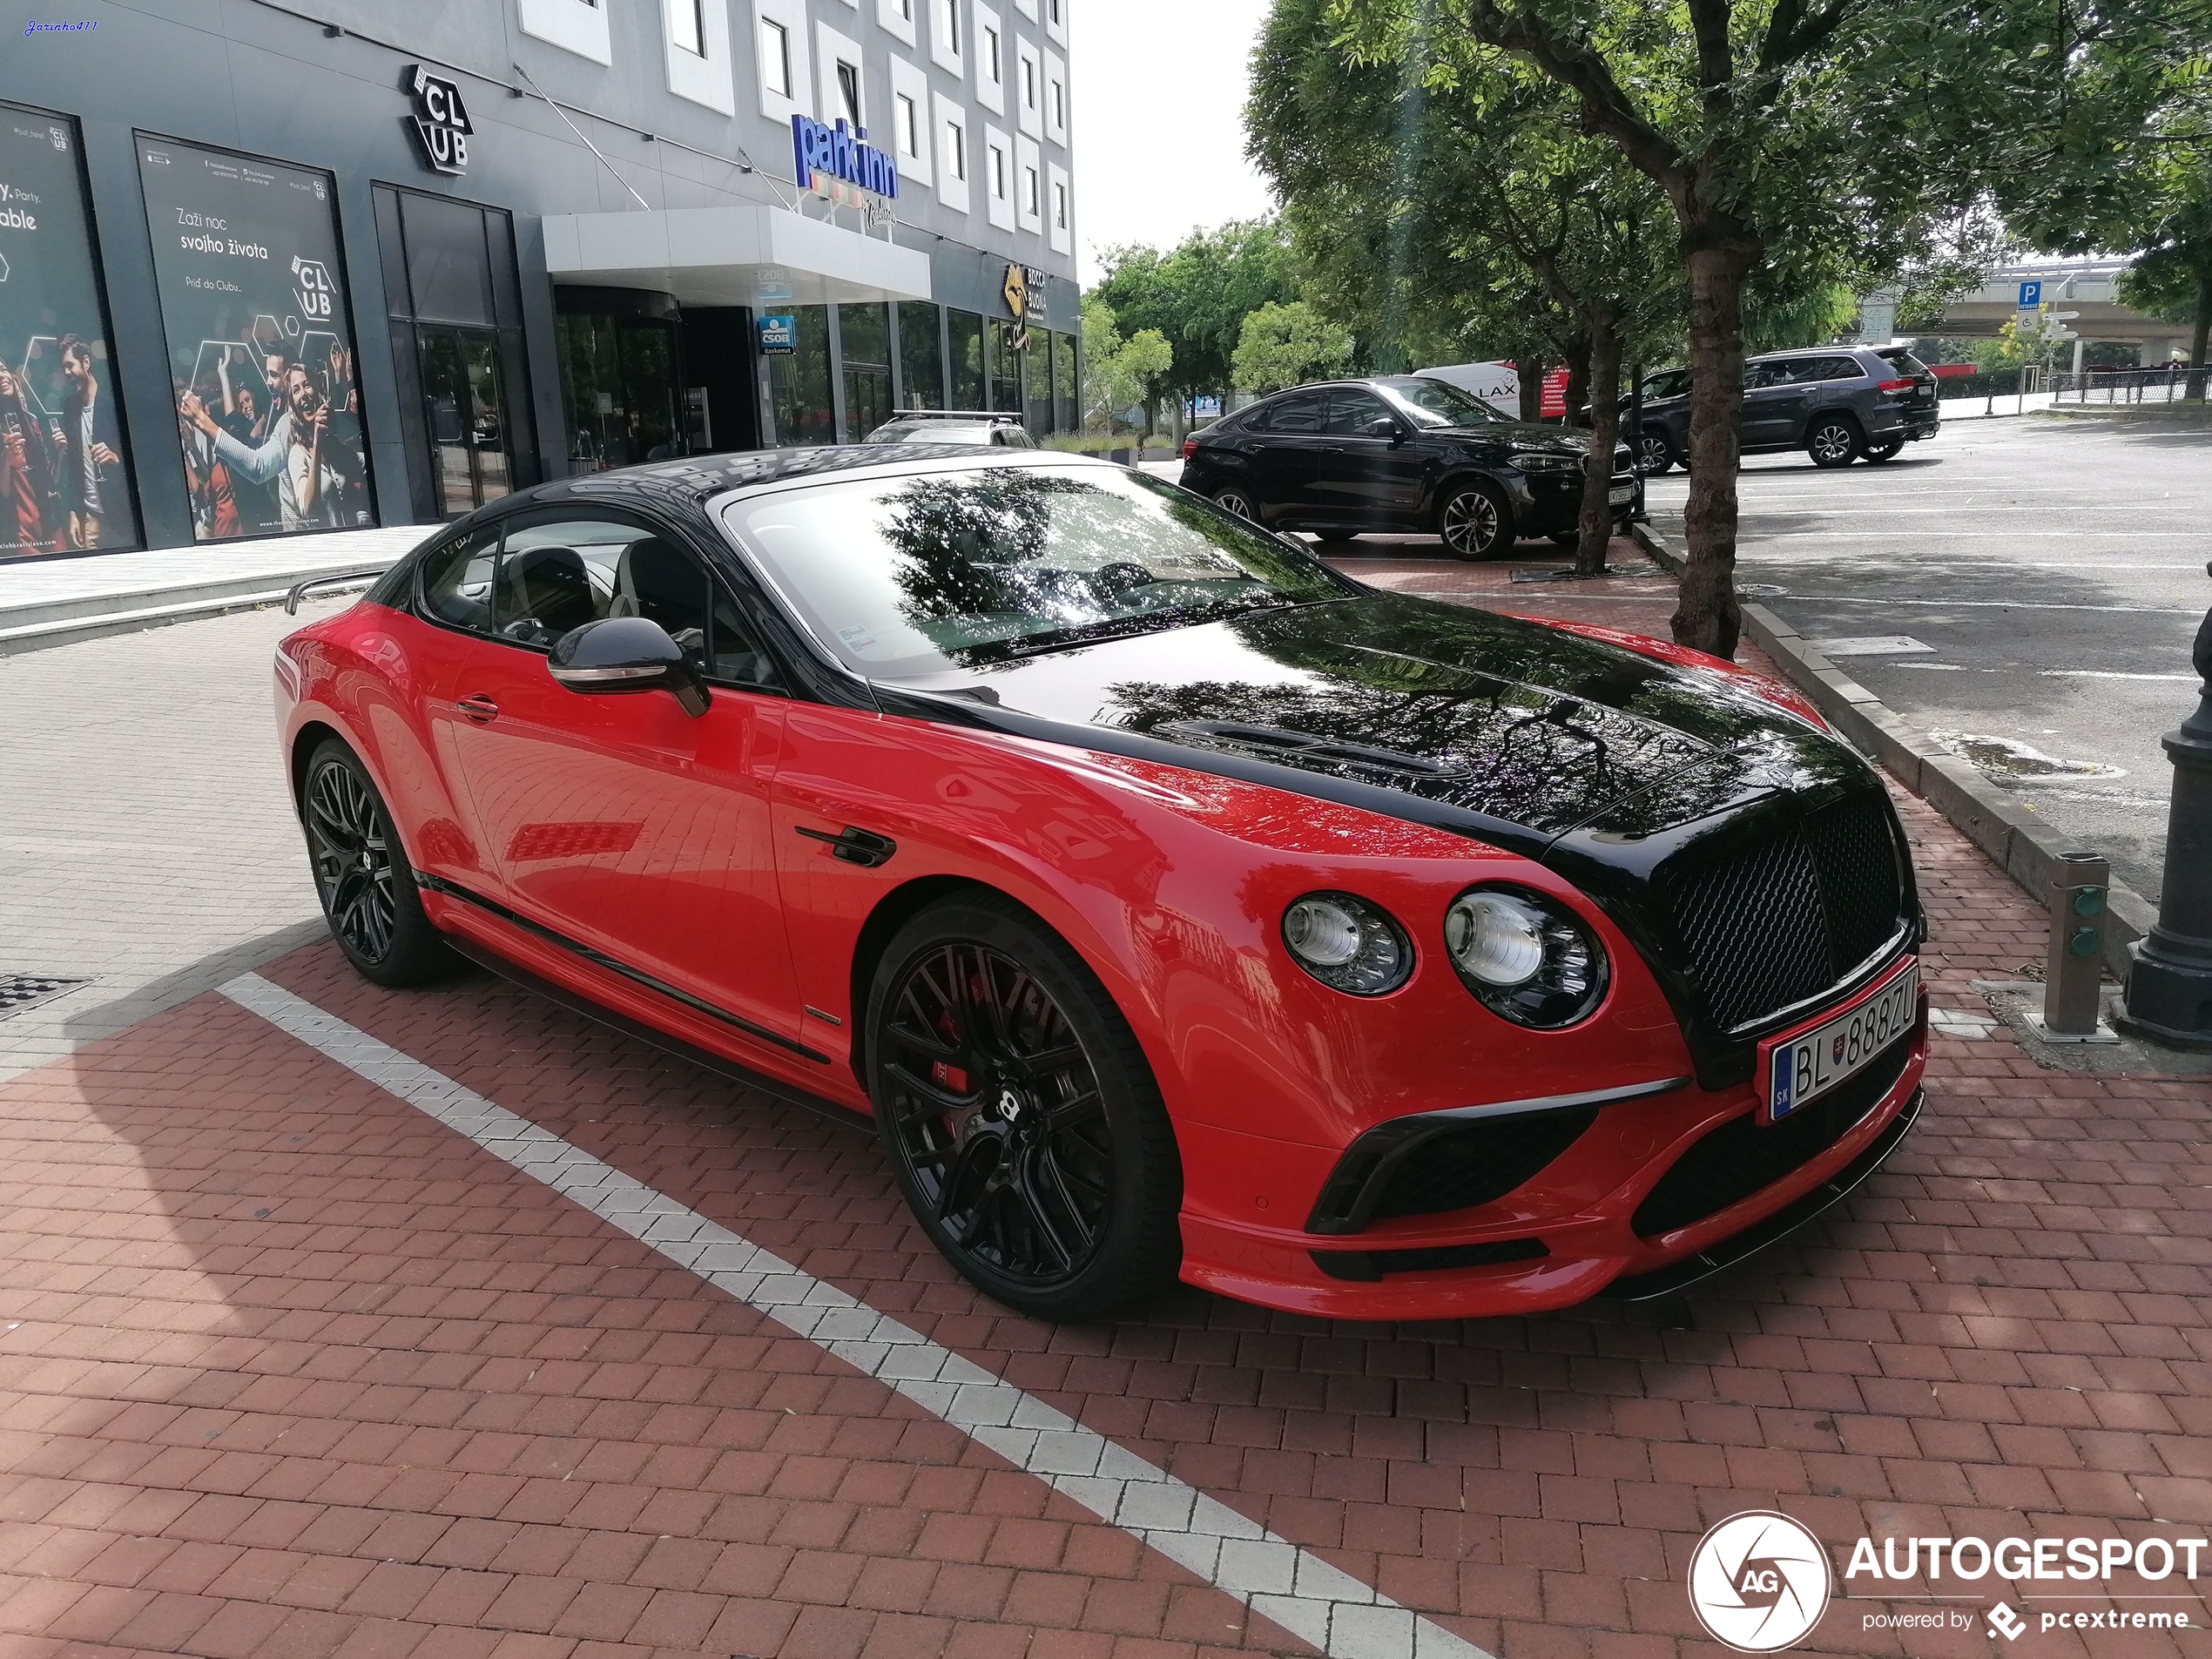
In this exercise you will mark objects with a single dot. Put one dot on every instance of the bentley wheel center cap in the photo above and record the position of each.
(1009, 1105)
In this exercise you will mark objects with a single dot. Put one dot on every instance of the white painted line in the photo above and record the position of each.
(2104, 674)
(1273, 1576)
(1987, 604)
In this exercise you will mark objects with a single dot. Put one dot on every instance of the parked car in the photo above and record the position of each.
(1173, 903)
(954, 425)
(1838, 403)
(1404, 453)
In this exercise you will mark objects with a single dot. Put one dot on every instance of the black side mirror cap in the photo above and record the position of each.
(621, 654)
(1384, 426)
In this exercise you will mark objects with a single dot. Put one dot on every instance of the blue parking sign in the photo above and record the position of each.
(2031, 296)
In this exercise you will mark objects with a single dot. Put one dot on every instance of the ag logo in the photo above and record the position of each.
(1759, 1582)
(315, 292)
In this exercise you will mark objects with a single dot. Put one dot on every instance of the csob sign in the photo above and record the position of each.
(836, 162)
(779, 336)
(441, 121)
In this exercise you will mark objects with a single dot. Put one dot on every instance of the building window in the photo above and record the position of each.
(956, 148)
(991, 63)
(775, 58)
(1029, 202)
(687, 25)
(1052, 10)
(1059, 206)
(909, 126)
(848, 88)
(951, 11)
(998, 172)
(1029, 84)
(1059, 107)
(906, 9)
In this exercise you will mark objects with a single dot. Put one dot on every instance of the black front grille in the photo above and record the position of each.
(1783, 918)
(1731, 1163)
(1365, 1266)
(1472, 1163)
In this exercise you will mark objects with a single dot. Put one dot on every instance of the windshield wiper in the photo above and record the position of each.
(1127, 627)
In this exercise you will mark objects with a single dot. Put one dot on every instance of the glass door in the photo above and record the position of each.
(467, 414)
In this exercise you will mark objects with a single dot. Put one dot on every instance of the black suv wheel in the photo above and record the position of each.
(1833, 440)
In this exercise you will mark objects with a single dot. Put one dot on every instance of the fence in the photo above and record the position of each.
(2168, 384)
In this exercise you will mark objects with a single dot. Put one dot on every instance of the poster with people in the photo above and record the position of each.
(64, 486)
(261, 341)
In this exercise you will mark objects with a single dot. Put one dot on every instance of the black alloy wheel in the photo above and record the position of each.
(1018, 1115)
(1655, 454)
(1236, 501)
(1474, 522)
(362, 875)
(1889, 451)
(1832, 441)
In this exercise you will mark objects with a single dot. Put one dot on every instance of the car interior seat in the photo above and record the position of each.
(546, 592)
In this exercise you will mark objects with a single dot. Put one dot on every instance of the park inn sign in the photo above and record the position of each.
(838, 162)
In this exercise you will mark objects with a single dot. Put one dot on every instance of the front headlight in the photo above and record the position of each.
(1529, 958)
(1545, 460)
(1348, 944)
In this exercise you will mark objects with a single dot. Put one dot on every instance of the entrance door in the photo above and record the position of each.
(467, 411)
(618, 377)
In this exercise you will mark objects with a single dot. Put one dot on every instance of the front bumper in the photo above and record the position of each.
(1569, 1232)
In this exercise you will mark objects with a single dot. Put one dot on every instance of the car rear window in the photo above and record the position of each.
(1906, 363)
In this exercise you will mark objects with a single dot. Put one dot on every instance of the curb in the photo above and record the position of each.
(2020, 843)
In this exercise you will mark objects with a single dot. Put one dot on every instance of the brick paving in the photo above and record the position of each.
(287, 1369)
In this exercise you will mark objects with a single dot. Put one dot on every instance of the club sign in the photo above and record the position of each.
(441, 121)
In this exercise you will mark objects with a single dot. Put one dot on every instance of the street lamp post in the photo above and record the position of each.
(2169, 987)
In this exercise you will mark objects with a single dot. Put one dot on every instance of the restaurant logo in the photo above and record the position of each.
(441, 121)
(1023, 291)
(1759, 1582)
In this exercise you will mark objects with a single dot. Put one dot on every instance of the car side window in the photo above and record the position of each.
(1350, 412)
(1841, 368)
(457, 580)
(558, 576)
(1759, 376)
(1298, 415)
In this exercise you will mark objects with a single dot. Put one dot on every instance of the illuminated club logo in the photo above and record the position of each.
(1759, 1582)
(316, 294)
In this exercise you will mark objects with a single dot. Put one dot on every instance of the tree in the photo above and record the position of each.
(1287, 346)
(1140, 370)
(1197, 295)
(1807, 136)
(2173, 278)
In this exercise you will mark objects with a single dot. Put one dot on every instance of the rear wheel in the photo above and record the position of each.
(1474, 522)
(1018, 1115)
(1832, 441)
(363, 874)
(1655, 454)
(1236, 500)
(1889, 451)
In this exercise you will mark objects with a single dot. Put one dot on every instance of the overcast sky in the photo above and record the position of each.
(1159, 90)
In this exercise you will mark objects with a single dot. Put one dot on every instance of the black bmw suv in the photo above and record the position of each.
(1402, 453)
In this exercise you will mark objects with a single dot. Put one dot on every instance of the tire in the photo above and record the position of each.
(1655, 454)
(1474, 521)
(362, 875)
(1565, 538)
(1061, 1214)
(1335, 538)
(1889, 451)
(1237, 502)
(1833, 440)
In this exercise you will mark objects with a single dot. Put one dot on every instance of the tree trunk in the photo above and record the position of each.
(2194, 391)
(1706, 617)
(1596, 525)
(1532, 388)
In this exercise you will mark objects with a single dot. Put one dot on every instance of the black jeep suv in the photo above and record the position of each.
(1836, 403)
(1403, 453)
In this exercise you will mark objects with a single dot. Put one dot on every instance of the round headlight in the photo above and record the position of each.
(1348, 944)
(1529, 958)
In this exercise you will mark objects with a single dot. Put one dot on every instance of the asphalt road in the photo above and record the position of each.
(2026, 589)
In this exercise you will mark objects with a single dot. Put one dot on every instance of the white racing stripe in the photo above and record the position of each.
(1273, 1576)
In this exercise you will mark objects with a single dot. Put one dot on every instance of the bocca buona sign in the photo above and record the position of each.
(825, 158)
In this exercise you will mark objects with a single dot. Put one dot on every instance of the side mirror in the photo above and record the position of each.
(620, 654)
(1383, 426)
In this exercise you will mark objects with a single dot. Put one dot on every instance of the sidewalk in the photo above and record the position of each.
(49, 602)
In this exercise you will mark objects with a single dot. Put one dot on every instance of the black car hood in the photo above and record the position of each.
(1496, 726)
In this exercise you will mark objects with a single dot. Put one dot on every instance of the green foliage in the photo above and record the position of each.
(1287, 346)
(1196, 296)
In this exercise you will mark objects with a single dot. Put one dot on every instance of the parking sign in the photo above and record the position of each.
(2031, 296)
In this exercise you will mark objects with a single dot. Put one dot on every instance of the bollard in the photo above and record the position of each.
(2170, 986)
(2073, 971)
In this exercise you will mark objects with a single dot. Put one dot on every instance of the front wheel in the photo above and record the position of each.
(1655, 454)
(1237, 502)
(362, 875)
(1474, 522)
(1832, 442)
(1889, 451)
(1018, 1115)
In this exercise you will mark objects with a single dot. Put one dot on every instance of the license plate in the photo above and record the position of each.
(1621, 494)
(1803, 1068)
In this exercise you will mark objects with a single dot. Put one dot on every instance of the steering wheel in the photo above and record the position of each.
(1120, 576)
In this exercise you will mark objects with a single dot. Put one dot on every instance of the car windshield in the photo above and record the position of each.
(918, 574)
(1433, 403)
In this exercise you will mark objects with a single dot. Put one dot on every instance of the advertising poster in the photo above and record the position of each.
(63, 487)
(261, 341)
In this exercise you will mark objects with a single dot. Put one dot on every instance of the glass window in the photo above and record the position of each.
(864, 334)
(456, 580)
(1434, 403)
(991, 56)
(1037, 382)
(965, 331)
(687, 25)
(923, 575)
(1297, 415)
(909, 128)
(922, 358)
(1005, 365)
(1351, 413)
(1675, 383)
(956, 148)
(848, 90)
(798, 381)
(775, 58)
(64, 485)
(1065, 416)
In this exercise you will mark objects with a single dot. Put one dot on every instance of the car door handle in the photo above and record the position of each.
(479, 708)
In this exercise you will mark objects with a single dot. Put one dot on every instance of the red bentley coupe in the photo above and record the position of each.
(1173, 904)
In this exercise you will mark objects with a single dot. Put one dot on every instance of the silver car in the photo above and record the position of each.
(978, 427)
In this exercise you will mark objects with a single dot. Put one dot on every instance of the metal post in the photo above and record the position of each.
(2073, 970)
(2169, 987)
